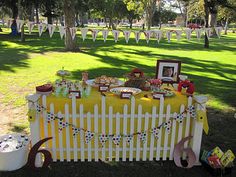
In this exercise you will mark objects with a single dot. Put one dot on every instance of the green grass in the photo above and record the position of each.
(25, 65)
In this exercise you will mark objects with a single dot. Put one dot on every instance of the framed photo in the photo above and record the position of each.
(168, 70)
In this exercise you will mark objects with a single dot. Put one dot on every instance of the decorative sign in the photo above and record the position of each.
(125, 95)
(103, 88)
(157, 95)
(76, 93)
(35, 150)
(179, 149)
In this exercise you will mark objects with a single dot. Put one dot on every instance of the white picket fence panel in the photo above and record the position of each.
(96, 121)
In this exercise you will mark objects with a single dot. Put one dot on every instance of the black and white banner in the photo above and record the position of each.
(30, 26)
(168, 35)
(73, 32)
(84, 32)
(137, 36)
(19, 24)
(147, 35)
(105, 34)
(198, 33)
(116, 34)
(178, 35)
(94, 34)
(188, 34)
(218, 31)
(51, 29)
(62, 30)
(41, 28)
(127, 35)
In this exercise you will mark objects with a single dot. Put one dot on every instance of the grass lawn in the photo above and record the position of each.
(26, 65)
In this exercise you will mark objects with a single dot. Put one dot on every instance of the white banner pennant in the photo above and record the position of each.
(208, 32)
(158, 34)
(19, 24)
(105, 34)
(178, 34)
(168, 35)
(84, 32)
(218, 31)
(41, 27)
(188, 34)
(147, 35)
(127, 35)
(62, 31)
(116, 34)
(9, 22)
(94, 34)
(198, 33)
(30, 26)
(137, 35)
(51, 29)
(73, 32)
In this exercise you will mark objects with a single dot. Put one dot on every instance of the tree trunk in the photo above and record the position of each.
(31, 13)
(130, 23)
(226, 25)
(22, 34)
(212, 19)
(206, 8)
(49, 19)
(77, 18)
(20, 13)
(69, 11)
(14, 10)
(37, 12)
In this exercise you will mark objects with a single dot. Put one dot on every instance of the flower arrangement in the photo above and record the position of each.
(155, 84)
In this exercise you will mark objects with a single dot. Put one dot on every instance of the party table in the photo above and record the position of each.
(106, 127)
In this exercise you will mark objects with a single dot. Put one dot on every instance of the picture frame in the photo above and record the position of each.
(168, 71)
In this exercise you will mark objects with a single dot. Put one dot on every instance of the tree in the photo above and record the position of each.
(134, 10)
(69, 12)
(150, 8)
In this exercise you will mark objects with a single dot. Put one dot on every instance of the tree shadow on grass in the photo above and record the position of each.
(223, 89)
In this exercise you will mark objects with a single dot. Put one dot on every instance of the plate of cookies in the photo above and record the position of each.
(105, 80)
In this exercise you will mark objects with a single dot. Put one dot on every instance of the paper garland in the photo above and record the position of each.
(41, 27)
(147, 35)
(19, 24)
(84, 32)
(218, 31)
(168, 35)
(51, 29)
(103, 138)
(116, 34)
(188, 34)
(105, 34)
(198, 33)
(30, 26)
(62, 31)
(158, 35)
(208, 32)
(137, 36)
(94, 34)
(73, 32)
(127, 35)
(9, 22)
(178, 34)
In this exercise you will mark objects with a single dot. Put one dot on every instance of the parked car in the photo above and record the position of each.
(194, 26)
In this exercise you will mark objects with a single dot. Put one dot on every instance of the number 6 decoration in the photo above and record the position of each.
(35, 150)
(179, 149)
